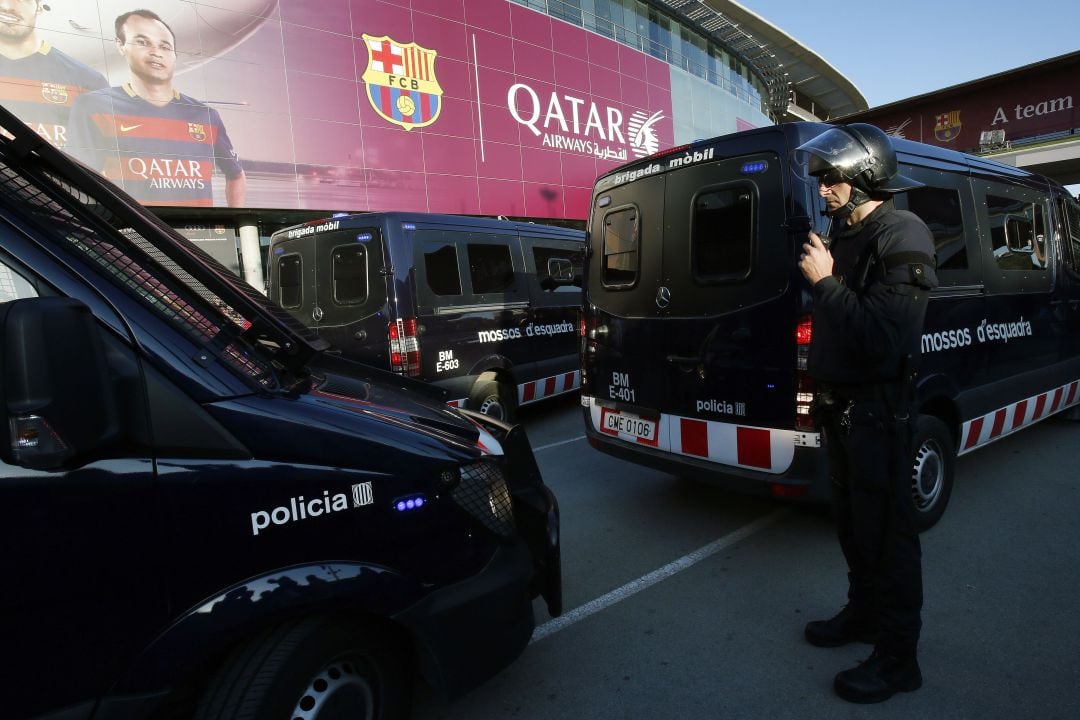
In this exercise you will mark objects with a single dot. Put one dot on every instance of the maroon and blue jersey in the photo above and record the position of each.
(160, 155)
(41, 88)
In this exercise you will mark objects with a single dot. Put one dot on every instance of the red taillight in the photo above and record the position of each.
(804, 385)
(404, 346)
(804, 331)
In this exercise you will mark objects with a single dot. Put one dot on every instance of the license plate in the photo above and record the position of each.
(617, 422)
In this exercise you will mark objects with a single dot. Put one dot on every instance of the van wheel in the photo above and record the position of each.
(934, 460)
(314, 669)
(493, 397)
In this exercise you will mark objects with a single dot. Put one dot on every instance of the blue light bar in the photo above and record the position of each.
(363, 237)
(753, 168)
(406, 504)
(408, 226)
(341, 214)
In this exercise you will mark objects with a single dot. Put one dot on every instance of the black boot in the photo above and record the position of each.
(878, 678)
(847, 626)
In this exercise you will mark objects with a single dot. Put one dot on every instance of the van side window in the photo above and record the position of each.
(1017, 233)
(290, 282)
(441, 268)
(349, 274)
(722, 234)
(620, 266)
(14, 286)
(939, 208)
(541, 255)
(1071, 211)
(490, 268)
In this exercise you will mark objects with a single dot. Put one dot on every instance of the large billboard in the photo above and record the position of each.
(1041, 101)
(477, 107)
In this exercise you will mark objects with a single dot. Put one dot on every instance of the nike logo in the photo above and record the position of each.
(129, 128)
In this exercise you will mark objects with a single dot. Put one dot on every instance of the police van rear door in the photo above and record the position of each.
(331, 276)
(351, 290)
(701, 338)
(292, 276)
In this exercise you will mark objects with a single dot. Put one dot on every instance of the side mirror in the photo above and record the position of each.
(561, 270)
(1019, 234)
(56, 395)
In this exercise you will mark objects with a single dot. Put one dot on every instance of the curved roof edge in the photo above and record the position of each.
(820, 91)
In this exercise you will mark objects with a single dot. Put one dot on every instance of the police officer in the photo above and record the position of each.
(870, 286)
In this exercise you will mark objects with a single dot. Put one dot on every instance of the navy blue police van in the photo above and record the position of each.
(697, 321)
(205, 514)
(486, 309)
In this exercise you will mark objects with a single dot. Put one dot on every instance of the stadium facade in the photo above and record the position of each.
(478, 107)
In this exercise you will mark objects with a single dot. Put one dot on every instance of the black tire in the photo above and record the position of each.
(494, 397)
(315, 668)
(933, 462)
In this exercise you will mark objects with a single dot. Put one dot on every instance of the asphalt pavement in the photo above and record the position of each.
(685, 601)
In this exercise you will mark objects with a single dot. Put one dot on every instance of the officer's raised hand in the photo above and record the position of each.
(816, 261)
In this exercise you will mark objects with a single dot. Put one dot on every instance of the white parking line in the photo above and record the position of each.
(646, 581)
(557, 444)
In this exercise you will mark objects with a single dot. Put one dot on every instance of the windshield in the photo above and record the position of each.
(166, 274)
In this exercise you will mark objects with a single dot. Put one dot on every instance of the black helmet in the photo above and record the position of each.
(862, 153)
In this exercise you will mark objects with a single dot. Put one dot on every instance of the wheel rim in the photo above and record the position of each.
(493, 406)
(928, 475)
(339, 690)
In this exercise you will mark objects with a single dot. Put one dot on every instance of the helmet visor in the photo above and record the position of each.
(834, 148)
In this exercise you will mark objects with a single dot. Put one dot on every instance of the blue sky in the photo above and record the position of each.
(895, 50)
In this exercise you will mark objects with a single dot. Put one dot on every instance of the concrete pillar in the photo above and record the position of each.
(251, 255)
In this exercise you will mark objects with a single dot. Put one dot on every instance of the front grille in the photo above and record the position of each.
(483, 494)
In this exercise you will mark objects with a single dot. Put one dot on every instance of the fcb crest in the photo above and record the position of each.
(197, 131)
(54, 93)
(947, 126)
(401, 84)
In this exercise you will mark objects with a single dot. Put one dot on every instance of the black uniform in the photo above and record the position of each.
(868, 321)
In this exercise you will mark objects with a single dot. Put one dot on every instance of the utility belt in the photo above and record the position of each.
(835, 403)
(829, 395)
(896, 396)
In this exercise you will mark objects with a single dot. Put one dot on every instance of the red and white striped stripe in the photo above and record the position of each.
(539, 389)
(995, 425)
(754, 448)
(548, 387)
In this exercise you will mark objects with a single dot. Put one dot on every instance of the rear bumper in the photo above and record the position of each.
(805, 478)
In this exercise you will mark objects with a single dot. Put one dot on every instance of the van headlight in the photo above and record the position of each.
(482, 492)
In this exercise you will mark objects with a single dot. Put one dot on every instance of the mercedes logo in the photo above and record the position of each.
(663, 297)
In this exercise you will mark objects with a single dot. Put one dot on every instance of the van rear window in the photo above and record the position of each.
(290, 285)
(722, 238)
(349, 273)
(620, 248)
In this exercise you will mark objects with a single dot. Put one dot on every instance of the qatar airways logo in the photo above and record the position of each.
(169, 173)
(571, 123)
